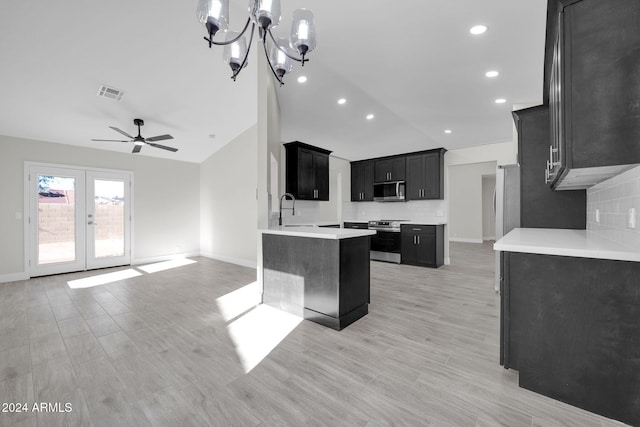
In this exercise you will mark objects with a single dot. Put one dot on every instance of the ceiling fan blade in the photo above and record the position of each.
(164, 147)
(137, 148)
(121, 131)
(159, 138)
(109, 140)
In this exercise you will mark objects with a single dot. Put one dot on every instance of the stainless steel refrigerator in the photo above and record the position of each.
(507, 206)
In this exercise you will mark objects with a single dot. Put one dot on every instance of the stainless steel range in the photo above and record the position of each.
(385, 244)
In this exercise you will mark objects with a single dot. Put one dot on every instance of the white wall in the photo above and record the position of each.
(166, 198)
(613, 198)
(502, 153)
(228, 227)
(465, 201)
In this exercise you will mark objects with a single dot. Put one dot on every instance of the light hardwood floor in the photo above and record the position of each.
(159, 350)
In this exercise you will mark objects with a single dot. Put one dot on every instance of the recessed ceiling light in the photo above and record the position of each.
(500, 101)
(448, 131)
(492, 73)
(341, 101)
(302, 79)
(370, 117)
(478, 29)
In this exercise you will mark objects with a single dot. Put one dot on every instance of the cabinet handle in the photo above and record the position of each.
(418, 239)
(414, 240)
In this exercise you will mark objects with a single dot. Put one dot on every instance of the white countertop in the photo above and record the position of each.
(319, 232)
(572, 243)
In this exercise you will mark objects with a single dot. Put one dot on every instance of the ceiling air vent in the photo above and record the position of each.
(110, 92)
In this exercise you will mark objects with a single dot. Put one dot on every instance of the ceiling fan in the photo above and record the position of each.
(139, 141)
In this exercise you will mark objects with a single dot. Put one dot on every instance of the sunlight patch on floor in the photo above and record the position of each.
(239, 301)
(103, 279)
(256, 333)
(166, 265)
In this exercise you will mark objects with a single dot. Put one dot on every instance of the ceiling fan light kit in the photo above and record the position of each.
(265, 14)
(140, 141)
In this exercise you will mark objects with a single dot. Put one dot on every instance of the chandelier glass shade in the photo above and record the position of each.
(264, 14)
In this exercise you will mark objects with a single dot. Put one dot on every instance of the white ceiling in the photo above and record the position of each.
(412, 63)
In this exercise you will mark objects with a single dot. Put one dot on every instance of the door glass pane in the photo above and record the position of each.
(109, 218)
(56, 219)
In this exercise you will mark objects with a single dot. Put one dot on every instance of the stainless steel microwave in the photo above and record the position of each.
(389, 191)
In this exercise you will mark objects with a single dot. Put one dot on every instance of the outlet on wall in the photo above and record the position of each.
(631, 219)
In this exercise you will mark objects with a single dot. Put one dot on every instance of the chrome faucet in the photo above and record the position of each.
(293, 206)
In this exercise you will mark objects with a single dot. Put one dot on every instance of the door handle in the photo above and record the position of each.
(91, 223)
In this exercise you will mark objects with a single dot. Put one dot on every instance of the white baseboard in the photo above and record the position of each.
(160, 258)
(447, 261)
(14, 277)
(237, 261)
(485, 238)
(463, 240)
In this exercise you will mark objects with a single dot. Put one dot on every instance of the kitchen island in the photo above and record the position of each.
(320, 274)
(570, 318)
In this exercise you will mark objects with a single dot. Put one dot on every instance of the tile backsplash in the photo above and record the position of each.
(613, 199)
(417, 210)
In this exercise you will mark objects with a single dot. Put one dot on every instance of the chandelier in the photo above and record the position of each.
(214, 15)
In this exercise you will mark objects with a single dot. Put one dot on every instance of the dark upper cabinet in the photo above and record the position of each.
(422, 245)
(362, 181)
(540, 206)
(594, 91)
(425, 175)
(307, 171)
(389, 169)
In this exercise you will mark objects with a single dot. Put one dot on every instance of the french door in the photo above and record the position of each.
(79, 219)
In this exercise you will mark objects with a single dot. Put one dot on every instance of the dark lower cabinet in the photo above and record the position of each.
(571, 327)
(422, 245)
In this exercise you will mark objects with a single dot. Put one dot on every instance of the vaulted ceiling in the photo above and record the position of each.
(413, 64)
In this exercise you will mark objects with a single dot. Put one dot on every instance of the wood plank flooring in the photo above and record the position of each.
(158, 350)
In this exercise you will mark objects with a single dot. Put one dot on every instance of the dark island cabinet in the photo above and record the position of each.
(571, 327)
(594, 91)
(425, 175)
(389, 169)
(422, 245)
(540, 206)
(362, 181)
(307, 171)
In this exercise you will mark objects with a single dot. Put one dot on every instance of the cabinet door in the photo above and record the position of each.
(408, 251)
(415, 177)
(433, 185)
(306, 174)
(601, 84)
(367, 181)
(321, 176)
(356, 182)
(426, 249)
(382, 168)
(397, 166)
